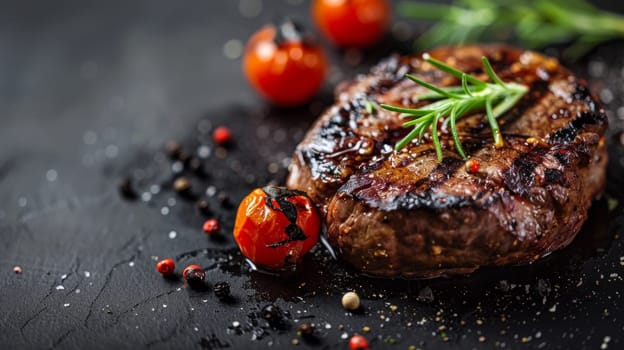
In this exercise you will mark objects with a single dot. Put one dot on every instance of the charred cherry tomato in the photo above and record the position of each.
(276, 226)
(353, 23)
(282, 64)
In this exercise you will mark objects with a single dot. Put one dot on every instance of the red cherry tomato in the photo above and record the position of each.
(275, 227)
(283, 65)
(354, 23)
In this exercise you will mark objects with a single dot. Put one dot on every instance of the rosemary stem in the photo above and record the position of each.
(498, 139)
(458, 144)
(435, 138)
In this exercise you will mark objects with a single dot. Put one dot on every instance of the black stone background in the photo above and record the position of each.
(90, 92)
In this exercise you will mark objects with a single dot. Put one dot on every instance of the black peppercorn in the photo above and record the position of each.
(173, 150)
(126, 189)
(221, 290)
(271, 313)
(203, 207)
(194, 275)
(184, 157)
(225, 200)
(196, 166)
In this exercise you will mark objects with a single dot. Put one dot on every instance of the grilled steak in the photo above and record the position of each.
(404, 213)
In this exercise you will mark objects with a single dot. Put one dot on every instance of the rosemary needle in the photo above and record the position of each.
(454, 102)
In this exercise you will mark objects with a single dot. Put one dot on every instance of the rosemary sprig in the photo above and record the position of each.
(535, 23)
(451, 103)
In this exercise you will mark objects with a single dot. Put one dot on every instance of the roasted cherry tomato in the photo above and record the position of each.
(283, 64)
(275, 227)
(353, 23)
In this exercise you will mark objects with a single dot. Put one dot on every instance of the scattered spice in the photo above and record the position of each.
(211, 227)
(194, 275)
(165, 266)
(181, 185)
(305, 329)
(203, 207)
(537, 141)
(351, 301)
(445, 337)
(184, 157)
(225, 200)
(612, 203)
(425, 295)
(197, 166)
(272, 314)
(17, 269)
(436, 250)
(221, 290)
(173, 150)
(358, 342)
(126, 189)
(472, 166)
(222, 135)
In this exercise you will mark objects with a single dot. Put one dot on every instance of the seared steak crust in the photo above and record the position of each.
(403, 213)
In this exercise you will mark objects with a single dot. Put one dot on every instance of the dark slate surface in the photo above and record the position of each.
(90, 92)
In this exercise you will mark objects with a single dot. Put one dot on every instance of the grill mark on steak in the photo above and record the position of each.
(419, 194)
(519, 178)
(391, 71)
(570, 131)
(442, 172)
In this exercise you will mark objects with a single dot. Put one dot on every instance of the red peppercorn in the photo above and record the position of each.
(166, 266)
(189, 269)
(221, 135)
(211, 227)
(472, 166)
(358, 342)
(194, 275)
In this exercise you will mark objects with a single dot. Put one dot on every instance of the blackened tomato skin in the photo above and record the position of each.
(352, 23)
(260, 231)
(286, 72)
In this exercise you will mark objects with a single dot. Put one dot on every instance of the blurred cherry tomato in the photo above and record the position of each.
(282, 64)
(353, 23)
(275, 227)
